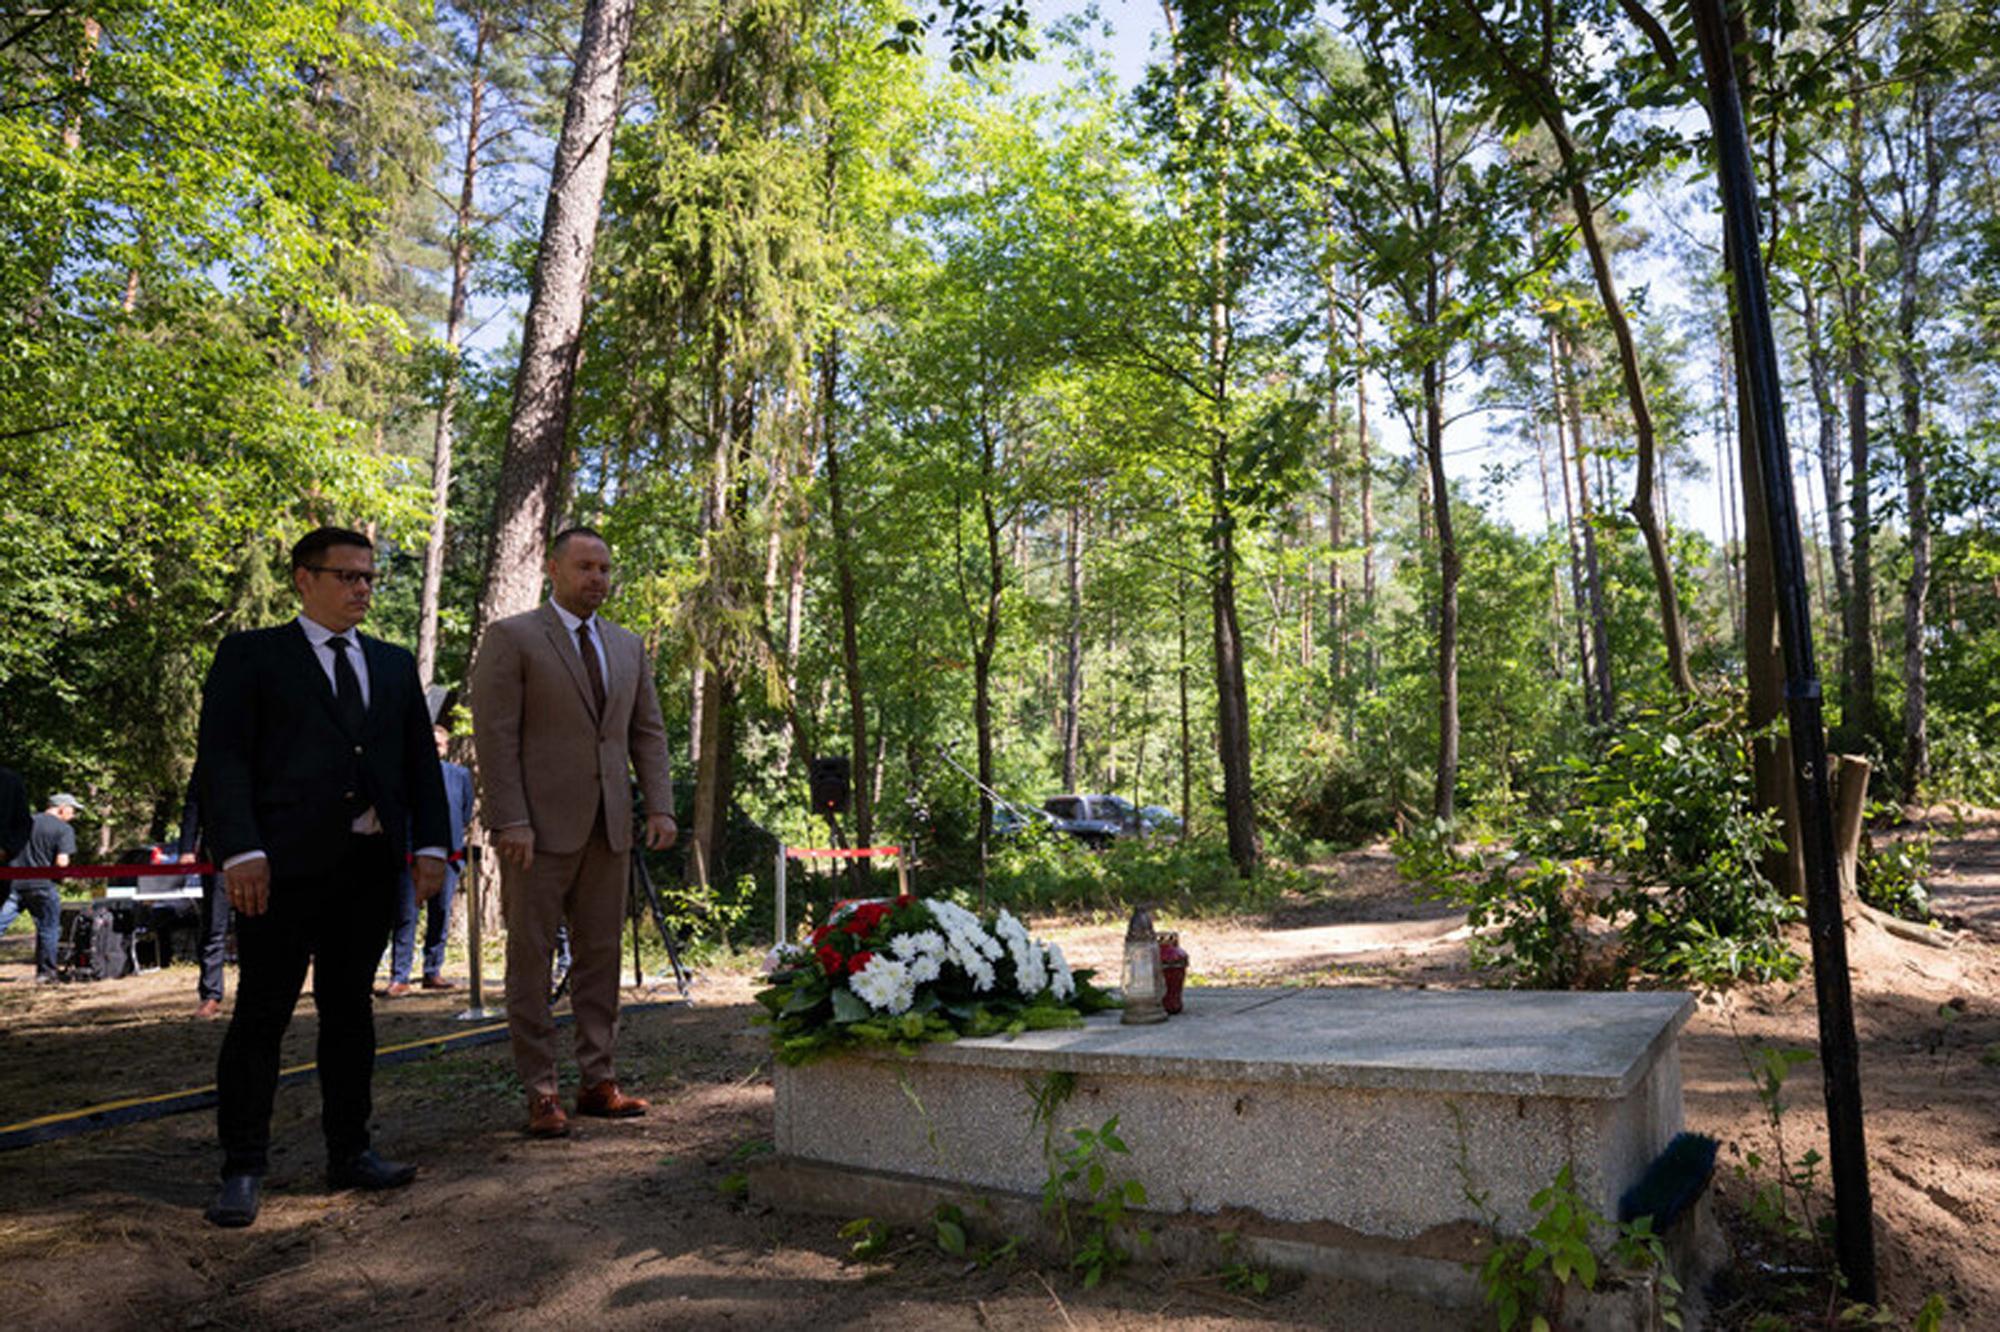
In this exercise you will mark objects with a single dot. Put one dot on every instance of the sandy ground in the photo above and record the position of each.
(642, 1223)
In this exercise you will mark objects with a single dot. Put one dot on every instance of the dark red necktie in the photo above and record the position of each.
(592, 667)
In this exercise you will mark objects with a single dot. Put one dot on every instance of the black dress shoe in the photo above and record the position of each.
(236, 1206)
(366, 1170)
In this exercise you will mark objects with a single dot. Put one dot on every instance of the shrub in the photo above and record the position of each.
(1668, 806)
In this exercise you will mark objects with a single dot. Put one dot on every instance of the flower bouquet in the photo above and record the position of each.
(903, 972)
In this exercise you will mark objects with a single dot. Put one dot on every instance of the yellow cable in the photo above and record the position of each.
(130, 1101)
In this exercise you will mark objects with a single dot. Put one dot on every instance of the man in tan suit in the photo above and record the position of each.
(563, 705)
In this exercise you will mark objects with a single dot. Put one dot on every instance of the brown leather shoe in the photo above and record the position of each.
(396, 990)
(439, 983)
(605, 1101)
(208, 1008)
(546, 1118)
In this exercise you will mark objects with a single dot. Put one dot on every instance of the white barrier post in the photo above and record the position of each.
(474, 874)
(783, 935)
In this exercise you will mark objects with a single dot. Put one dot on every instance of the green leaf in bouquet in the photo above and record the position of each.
(847, 1007)
(805, 999)
(1046, 1017)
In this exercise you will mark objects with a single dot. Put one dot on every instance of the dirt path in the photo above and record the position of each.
(639, 1224)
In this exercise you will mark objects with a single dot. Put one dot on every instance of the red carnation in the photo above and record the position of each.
(831, 961)
(859, 963)
(906, 900)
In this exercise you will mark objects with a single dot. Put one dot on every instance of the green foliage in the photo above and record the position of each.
(1782, 1205)
(1892, 877)
(1533, 906)
(1669, 806)
(1239, 1275)
(1080, 1174)
(1526, 1278)
(1666, 807)
(870, 1237)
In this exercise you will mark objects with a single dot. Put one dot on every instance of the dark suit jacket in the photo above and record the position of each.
(16, 819)
(280, 773)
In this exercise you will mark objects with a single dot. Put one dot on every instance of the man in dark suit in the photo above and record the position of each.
(317, 773)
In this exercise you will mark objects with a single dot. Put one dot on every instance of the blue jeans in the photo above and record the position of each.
(214, 936)
(437, 927)
(44, 902)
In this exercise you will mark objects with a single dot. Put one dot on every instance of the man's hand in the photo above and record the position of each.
(186, 858)
(516, 846)
(249, 885)
(427, 875)
(661, 831)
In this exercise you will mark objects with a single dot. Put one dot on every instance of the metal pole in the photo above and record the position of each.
(475, 908)
(1854, 1222)
(782, 934)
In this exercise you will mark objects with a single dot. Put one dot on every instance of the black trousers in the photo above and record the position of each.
(335, 917)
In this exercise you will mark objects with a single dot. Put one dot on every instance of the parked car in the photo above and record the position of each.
(1012, 821)
(1159, 821)
(1096, 819)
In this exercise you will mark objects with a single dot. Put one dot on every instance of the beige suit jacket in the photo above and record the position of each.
(546, 758)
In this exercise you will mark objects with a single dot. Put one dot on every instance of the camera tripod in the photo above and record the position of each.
(642, 897)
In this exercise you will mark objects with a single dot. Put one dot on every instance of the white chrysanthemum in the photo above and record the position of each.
(1031, 976)
(783, 957)
(1062, 984)
(1030, 973)
(924, 943)
(924, 968)
(979, 970)
(884, 984)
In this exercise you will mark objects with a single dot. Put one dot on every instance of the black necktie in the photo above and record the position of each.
(346, 687)
(592, 667)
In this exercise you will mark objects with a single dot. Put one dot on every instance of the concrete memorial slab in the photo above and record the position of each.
(1346, 1121)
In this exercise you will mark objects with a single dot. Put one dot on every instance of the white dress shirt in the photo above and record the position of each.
(319, 636)
(571, 624)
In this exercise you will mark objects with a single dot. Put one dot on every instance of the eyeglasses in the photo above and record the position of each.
(370, 578)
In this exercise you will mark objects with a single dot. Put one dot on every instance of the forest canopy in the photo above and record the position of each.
(1331, 427)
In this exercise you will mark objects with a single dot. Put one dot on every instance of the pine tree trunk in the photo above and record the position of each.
(1444, 794)
(1336, 498)
(1764, 671)
(1917, 511)
(454, 331)
(1600, 624)
(1819, 367)
(1578, 597)
(1643, 508)
(1232, 703)
(531, 464)
(850, 599)
(1072, 730)
(1860, 712)
(1187, 723)
(1365, 460)
(988, 643)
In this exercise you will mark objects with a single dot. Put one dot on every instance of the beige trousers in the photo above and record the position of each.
(587, 887)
